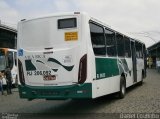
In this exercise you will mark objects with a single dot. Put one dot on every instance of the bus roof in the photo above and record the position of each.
(83, 13)
(55, 15)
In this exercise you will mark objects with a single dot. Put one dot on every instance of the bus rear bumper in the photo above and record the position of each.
(81, 91)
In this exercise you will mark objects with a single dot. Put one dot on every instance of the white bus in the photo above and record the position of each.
(73, 55)
(8, 57)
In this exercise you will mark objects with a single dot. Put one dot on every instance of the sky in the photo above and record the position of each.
(139, 18)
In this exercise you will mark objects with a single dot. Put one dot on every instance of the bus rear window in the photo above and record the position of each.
(67, 23)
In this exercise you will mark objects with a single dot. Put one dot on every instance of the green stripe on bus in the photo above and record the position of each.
(106, 67)
(56, 92)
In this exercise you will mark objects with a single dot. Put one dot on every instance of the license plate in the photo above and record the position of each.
(49, 77)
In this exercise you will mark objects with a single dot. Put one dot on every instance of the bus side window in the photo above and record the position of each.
(110, 43)
(139, 50)
(97, 39)
(120, 45)
(127, 47)
(10, 59)
(2, 60)
(15, 58)
(144, 51)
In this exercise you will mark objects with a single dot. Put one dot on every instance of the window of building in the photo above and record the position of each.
(97, 39)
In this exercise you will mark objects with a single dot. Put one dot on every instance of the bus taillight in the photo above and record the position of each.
(21, 73)
(82, 74)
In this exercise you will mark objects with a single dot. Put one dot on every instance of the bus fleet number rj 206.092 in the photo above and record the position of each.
(37, 73)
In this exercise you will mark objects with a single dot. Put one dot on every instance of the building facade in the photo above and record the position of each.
(8, 37)
(154, 52)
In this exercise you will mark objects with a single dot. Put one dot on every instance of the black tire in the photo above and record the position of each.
(141, 82)
(122, 91)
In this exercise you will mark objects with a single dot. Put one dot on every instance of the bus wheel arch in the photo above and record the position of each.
(122, 91)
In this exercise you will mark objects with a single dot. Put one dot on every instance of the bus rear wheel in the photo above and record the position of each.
(142, 77)
(122, 91)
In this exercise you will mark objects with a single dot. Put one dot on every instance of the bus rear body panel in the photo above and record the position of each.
(49, 56)
(56, 92)
(61, 61)
(8, 59)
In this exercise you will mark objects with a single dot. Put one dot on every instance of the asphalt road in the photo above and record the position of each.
(139, 99)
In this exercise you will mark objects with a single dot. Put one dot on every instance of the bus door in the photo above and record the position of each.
(134, 61)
